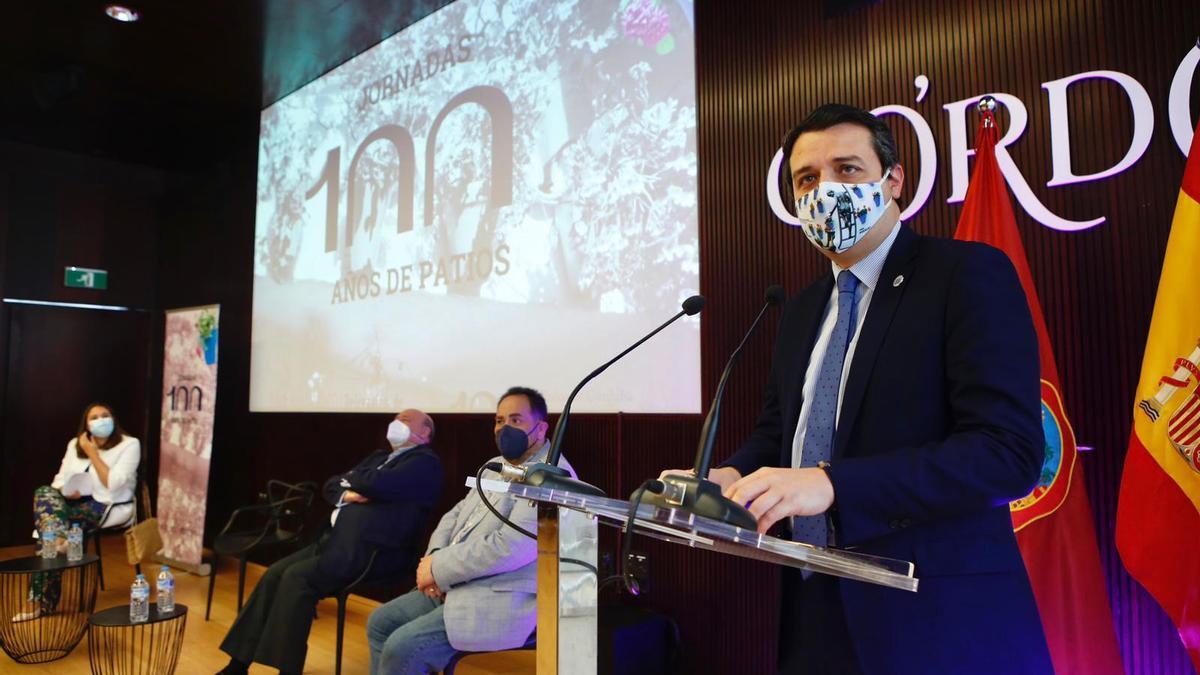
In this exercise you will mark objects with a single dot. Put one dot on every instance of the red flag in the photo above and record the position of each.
(1158, 513)
(1054, 522)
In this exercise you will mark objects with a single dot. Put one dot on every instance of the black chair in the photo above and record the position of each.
(344, 593)
(95, 533)
(530, 644)
(278, 519)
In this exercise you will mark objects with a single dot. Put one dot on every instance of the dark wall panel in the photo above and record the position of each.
(71, 210)
(59, 209)
(59, 360)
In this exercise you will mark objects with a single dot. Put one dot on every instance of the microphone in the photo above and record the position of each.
(507, 471)
(537, 476)
(696, 493)
(549, 474)
(521, 474)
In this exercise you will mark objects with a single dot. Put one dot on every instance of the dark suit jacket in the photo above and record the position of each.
(401, 494)
(940, 428)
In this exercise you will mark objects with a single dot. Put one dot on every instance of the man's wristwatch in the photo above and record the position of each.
(831, 515)
(826, 467)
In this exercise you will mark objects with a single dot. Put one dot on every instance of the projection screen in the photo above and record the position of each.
(503, 193)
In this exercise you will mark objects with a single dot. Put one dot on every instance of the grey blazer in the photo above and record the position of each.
(488, 570)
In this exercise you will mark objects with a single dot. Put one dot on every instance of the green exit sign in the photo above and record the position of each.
(82, 277)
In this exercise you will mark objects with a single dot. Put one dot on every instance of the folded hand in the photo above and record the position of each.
(425, 578)
(352, 497)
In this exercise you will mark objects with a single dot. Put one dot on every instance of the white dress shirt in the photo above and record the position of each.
(867, 270)
(122, 460)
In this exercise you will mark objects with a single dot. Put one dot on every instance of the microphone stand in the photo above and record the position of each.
(695, 493)
(549, 474)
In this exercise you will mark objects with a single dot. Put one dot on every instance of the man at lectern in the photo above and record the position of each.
(901, 416)
(477, 584)
(382, 503)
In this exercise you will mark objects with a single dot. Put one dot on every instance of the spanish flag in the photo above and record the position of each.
(1054, 522)
(1158, 515)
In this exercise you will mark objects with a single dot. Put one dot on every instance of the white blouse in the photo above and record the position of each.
(122, 460)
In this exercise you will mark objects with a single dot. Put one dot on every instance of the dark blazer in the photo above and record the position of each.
(401, 494)
(940, 427)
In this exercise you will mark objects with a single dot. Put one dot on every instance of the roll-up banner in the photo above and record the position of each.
(189, 399)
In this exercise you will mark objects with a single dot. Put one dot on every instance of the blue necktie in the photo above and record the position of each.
(822, 413)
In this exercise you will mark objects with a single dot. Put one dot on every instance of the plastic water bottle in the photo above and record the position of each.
(166, 590)
(49, 537)
(139, 600)
(74, 543)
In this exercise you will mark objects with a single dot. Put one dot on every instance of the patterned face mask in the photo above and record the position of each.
(836, 216)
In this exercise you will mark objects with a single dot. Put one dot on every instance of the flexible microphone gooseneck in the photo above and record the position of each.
(695, 493)
(549, 474)
(510, 472)
(708, 433)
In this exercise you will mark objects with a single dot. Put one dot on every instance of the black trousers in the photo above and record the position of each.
(273, 626)
(813, 637)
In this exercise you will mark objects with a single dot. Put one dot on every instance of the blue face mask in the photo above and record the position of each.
(101, 427)
(512, 442)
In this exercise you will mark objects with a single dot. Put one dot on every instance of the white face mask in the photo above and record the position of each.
(836, 216)
(398, 433)
(101, 427)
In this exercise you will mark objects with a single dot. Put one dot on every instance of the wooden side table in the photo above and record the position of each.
(117, 646)
(60, 627)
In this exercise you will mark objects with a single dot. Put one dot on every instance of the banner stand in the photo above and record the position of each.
(189, 397)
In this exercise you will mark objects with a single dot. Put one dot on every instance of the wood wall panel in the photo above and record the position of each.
(762, 66)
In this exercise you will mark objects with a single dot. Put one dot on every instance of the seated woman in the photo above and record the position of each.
(99, 474)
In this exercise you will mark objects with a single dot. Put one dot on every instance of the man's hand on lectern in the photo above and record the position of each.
(774, 494)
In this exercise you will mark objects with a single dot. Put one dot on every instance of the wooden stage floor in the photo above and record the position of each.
(200, 649)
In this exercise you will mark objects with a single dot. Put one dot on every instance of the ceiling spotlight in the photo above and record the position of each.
(122, 13)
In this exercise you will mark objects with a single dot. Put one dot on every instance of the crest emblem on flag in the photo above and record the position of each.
(1183, 426)
(1053, 482)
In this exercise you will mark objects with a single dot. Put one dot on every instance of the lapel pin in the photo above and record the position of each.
(897, 281)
